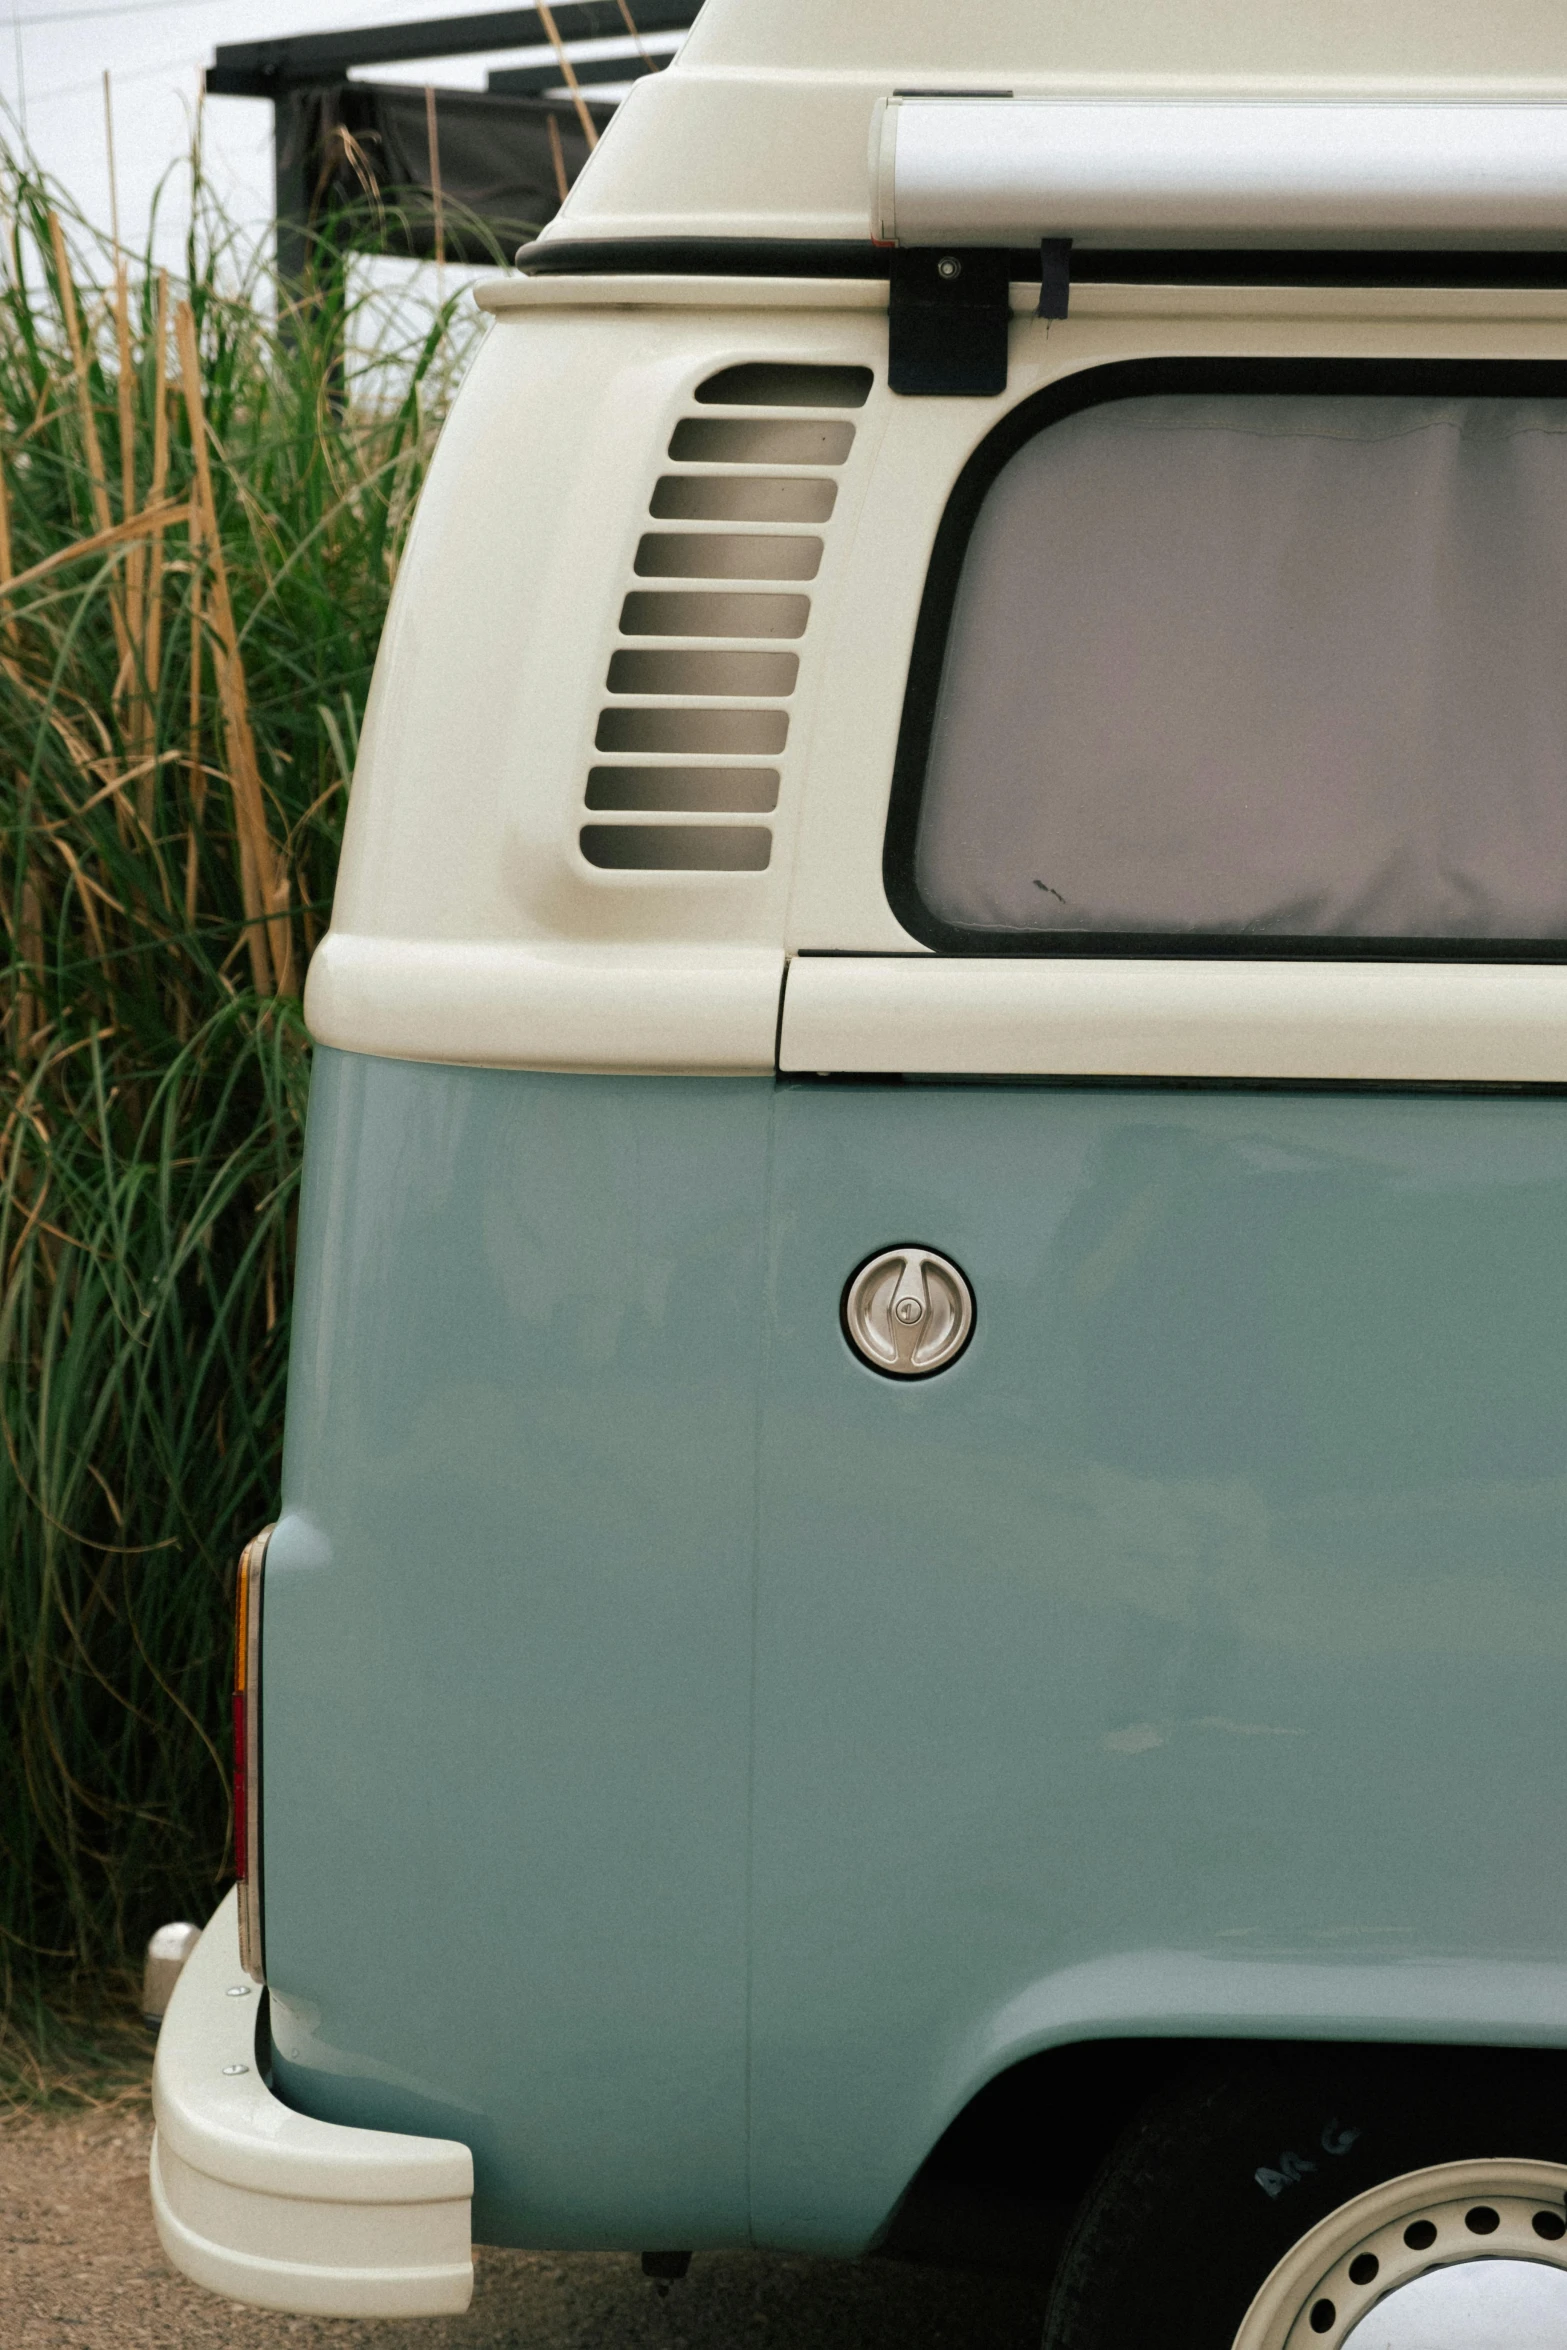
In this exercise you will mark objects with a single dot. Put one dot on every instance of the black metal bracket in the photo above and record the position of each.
(947, 317)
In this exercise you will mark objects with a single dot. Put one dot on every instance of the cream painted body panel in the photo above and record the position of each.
(468, 925)
(761, 127)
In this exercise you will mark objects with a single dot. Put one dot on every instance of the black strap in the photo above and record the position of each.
(1055, 276)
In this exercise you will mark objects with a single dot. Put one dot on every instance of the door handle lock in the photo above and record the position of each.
(908, 1312)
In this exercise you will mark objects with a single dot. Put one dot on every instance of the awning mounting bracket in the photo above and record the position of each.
(947, 316)
(948, 311)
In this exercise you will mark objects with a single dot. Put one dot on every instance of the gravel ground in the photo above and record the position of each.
(82, 2266)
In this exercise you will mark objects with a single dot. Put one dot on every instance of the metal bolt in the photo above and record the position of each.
(236, 2068)
(949, 266)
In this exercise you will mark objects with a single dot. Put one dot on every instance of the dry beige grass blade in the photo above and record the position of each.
(263, 886)
(97, 481)
(568, 74)
(197, 772)
(138, 684)
(136, 552)
(432, 132)
(631, 27)
(30, 954)
(149, 624)
(8, 624)
(125, 391)
(558, 158)
(233, 718)
(85, 892)
(98, 542)
(97, 484)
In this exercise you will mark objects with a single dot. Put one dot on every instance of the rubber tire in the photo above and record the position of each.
(1176, 2234)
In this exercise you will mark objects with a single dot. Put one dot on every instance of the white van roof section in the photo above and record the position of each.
(622, 800)
(762, 126)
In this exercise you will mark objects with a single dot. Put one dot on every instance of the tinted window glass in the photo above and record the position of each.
(1266, 665)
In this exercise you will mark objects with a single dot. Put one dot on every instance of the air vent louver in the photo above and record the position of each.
(677, 554)
(677, 848)
(764, 385)
(742, 497)
(721, 635)
(729, 791)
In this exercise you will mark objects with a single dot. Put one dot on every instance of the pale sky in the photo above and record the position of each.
(52, 59)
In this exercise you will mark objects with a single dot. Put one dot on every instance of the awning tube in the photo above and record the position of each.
(999, 171)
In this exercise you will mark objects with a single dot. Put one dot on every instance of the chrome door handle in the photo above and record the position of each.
(908, 1312)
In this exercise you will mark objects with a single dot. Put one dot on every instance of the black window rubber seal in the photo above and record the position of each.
(847, 257)
(1090, 388)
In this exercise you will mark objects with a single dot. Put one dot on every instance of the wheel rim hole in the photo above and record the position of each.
(1323, 2314)
(1363, 2268)
(1482, 2220)
(1420, 2235)
(1550, 2225)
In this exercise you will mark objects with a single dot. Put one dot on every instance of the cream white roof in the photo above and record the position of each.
(761, 127)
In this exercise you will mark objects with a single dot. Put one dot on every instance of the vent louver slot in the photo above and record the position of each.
(761, 385)
(742, 497)
(714, 440)
(703, 673)
(711, 554)
(728, 791)
(732, 731)
(696, 646)
(677, 848)
(650, 613)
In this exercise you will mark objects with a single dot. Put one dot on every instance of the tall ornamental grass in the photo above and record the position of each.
(199, 528)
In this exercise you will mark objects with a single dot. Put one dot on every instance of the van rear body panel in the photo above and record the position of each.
(508, 1637)
(1185, 1660)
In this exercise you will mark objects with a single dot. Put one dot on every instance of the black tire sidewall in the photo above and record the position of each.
(1240, 2156)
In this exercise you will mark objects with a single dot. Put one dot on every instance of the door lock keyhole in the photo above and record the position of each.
(908, 1312)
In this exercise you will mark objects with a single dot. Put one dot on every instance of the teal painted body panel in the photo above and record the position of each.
(1188, 1658)
(507, 1637)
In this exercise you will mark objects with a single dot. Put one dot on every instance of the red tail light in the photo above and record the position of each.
(247, 1750)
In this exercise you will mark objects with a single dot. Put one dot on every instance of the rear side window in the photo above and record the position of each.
(1256, 670)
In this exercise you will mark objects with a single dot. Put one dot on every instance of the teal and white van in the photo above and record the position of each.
(923, 1554)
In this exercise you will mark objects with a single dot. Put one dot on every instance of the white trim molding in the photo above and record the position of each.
(624, 1006)
(1112, 1016)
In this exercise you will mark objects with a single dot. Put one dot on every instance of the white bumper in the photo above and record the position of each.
(263, 2204)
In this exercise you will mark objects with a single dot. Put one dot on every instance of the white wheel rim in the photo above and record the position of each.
(1312, 2301)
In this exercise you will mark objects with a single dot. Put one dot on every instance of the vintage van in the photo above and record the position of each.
(923, 1559)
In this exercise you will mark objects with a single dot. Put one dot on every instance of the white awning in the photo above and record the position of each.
(1110, 172)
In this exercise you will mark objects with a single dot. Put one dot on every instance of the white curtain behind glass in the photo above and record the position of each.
(1258, 664)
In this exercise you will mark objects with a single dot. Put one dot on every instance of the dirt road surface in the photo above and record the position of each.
(80, 2265)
